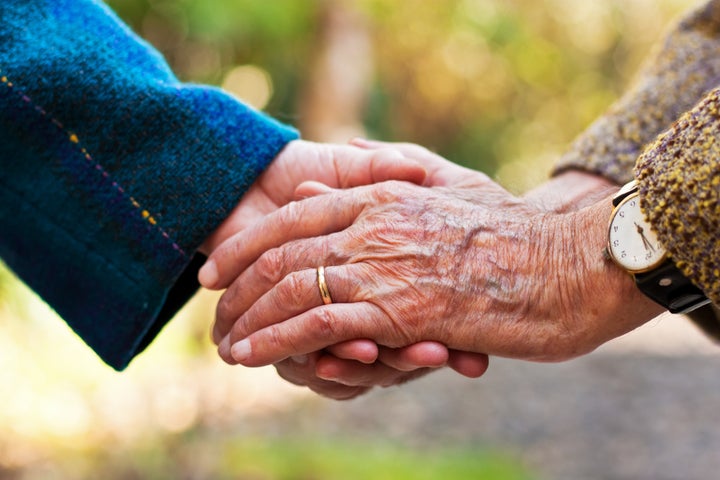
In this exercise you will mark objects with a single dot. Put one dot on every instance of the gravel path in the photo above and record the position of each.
(624, 412)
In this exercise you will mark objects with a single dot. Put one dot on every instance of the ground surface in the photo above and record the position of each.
(646, 407)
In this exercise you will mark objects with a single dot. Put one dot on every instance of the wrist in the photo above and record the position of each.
(570, 191)
(611, 303)
(584, 299)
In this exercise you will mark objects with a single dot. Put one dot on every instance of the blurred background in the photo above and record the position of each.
(498, 85)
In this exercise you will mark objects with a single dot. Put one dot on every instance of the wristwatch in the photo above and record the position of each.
(633, 245)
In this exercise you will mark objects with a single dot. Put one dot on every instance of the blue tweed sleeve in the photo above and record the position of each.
(113, 171)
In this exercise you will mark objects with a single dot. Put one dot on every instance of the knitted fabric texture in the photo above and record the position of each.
(679, 178)
(114, 172)
(677, 153)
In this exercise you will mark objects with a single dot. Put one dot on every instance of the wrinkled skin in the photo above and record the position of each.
(462, 263)
(341, 166)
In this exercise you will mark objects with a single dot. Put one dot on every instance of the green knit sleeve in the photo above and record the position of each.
(677, 76)
(679, 179)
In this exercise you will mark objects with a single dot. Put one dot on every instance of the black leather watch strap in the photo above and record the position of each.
(667, 286)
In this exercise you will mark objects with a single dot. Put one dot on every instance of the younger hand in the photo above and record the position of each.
(338, 166)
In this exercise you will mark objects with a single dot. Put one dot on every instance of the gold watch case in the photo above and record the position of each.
(632, 243)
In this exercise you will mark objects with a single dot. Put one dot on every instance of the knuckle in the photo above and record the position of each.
(270, 266)
(290, 289)
(380, 194)
(324, 324)
(290, 214)
(274, 339)
(334, 250)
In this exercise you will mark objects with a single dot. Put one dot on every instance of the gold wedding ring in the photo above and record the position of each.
(324, 292)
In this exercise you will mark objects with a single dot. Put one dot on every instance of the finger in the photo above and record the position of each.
(380, 165)
(250, 305)
(296, 293)
(309, 218)
(468, 364)
(348, 170)
(310, 331)
(441, 172)
(407, 149)
(299, 370)
(363, 351)
(413, 357)
(340, 166)
(303, 374)
(354, 374)
(292, 288)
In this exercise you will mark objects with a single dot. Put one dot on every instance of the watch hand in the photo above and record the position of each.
(646, 243)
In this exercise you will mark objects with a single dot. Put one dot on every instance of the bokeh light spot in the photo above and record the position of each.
(249, 83)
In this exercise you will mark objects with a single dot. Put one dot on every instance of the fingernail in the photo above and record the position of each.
(299, 359)
(224, 347)
(208, 274)
(241, 350)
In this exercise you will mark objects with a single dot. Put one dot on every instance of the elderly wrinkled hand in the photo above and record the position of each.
(341, 166)
(469, 266)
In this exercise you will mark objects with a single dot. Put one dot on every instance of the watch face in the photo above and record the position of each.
(631, 241)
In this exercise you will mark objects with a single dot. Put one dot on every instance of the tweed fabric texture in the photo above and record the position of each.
(665, 132)
(681, 71)
(679, 179)
(114, 172)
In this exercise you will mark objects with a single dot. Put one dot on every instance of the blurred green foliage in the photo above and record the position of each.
(201, 456)
(501, 86)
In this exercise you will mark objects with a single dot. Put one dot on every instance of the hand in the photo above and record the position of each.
(568, 191)
(471, 267)
(330, 376)
(340, 166)
(415, 360)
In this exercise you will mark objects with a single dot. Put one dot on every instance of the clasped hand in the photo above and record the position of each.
(457, 261)
(358, 363)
